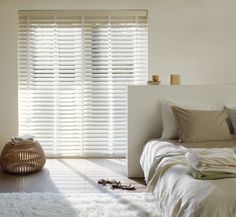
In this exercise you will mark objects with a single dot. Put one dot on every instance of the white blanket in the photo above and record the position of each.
(216, 161)
(177, 192)
(153, 153)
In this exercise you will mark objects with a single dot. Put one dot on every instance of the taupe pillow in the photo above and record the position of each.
(201, 126)
(232, 117)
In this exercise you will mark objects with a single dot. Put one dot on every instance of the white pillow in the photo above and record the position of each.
(169, 123)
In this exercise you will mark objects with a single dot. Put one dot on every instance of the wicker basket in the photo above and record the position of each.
(21, 158)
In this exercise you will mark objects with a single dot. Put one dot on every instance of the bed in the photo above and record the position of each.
(178, 194)
(162, 162)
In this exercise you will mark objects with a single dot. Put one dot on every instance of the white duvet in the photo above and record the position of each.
(178, 194)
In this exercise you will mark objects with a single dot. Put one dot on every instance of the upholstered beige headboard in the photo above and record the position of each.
(144, 114)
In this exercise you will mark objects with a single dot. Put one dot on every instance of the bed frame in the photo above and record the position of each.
(144, 114)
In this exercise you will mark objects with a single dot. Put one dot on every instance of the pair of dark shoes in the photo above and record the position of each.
(116, 185)
(105, 182)
(128, 187)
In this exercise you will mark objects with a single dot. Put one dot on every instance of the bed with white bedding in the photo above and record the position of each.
(196, 116)
(178, 194)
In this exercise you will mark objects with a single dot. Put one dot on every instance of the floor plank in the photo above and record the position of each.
(71, 176)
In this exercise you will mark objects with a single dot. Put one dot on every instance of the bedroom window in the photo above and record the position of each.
(74, 68)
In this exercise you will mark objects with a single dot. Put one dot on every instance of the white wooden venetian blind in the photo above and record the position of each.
(74, 68)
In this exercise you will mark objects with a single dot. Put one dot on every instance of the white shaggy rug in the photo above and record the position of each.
(74, 205)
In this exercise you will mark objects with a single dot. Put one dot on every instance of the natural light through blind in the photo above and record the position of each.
(74, 68)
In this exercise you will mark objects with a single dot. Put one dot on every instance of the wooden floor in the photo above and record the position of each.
(71, 176)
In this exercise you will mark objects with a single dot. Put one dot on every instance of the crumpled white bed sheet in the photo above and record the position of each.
(178, 194)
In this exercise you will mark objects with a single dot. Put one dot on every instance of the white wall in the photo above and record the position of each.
(196, 38)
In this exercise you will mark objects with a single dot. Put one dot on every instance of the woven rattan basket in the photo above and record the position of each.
(22, 158)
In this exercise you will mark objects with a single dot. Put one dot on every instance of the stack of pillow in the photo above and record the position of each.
(197, 123)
